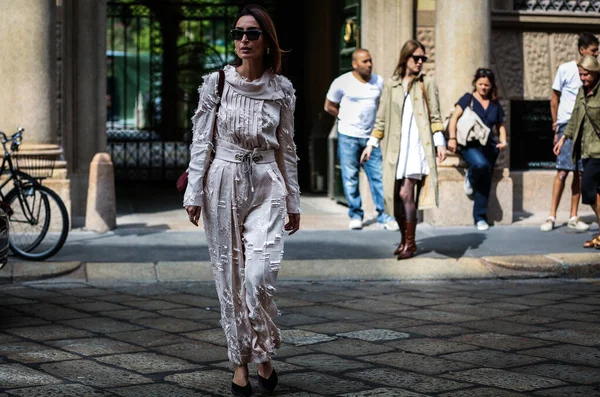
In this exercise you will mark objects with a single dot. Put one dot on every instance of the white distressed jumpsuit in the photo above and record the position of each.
(245, 193)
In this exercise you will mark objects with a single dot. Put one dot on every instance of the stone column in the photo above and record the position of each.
(463, 44)
(462, 33)
(84, 97)
(385, 26)
(28, 81)
(28, 69)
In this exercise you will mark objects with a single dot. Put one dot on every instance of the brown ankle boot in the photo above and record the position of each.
(410, 246)
(402, 224)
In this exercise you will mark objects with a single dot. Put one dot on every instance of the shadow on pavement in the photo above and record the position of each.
(453, 246)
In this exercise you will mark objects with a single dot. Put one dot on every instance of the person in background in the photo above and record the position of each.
(583, 131)
(480, 158)
(564, 90)
(246, 191)
(353, 99)
(409, 126)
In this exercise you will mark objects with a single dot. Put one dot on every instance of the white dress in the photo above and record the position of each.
(412, 162)
(244, 204)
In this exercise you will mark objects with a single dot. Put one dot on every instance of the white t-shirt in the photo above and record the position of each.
(567, 82)
(358, 103)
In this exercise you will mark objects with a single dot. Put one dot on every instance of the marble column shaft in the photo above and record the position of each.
(385, 26)
(462, 37)
(28, 69)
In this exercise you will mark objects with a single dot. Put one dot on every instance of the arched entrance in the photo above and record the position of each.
(158, 52)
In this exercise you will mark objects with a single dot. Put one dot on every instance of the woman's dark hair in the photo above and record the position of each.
(407, 50)
(586, 39)
(272, 57)
(489, 74)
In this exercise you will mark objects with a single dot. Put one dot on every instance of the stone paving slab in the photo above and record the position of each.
(464, 338)
(505, 379)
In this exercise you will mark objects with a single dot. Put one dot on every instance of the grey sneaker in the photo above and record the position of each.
(575, 223)
(467, 186)
(548, 225)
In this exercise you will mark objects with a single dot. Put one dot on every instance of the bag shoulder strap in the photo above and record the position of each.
(220, 87)
(221, 83)
(426, 101)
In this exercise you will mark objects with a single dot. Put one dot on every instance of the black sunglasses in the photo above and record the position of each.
(484, 72)
(251, 34)
(416, 58)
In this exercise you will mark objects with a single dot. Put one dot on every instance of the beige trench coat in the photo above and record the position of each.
(388, 128)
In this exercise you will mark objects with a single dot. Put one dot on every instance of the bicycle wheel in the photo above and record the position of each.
(39, 222)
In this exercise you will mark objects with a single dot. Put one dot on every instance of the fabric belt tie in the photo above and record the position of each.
(246, 158)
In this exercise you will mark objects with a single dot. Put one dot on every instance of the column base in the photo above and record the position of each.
(456, 209)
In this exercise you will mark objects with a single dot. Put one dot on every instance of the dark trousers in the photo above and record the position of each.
(481, 161)
(590, 181)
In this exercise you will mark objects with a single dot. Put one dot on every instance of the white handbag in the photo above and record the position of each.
(471, 128)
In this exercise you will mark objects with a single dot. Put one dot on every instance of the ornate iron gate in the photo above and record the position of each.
(158, 53)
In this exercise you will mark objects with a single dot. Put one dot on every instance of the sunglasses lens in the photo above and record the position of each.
(253, 34)
(238, 34)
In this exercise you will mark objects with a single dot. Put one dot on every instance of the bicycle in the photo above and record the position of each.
(38, 218)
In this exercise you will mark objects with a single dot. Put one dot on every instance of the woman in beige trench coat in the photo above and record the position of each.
(409, 126)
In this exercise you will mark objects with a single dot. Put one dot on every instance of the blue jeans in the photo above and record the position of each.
(481, 161)
(349, 151)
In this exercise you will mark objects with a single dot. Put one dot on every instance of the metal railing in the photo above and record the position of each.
(572, 6)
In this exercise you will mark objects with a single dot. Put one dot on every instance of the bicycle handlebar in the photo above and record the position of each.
(14, 136)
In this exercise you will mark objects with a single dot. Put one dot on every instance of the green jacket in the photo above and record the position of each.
(582, 123)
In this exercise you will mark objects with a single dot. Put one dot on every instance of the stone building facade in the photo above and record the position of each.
(53, 76)
(524, 43)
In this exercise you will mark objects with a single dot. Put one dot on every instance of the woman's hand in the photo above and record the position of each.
(293, 224)
(452, 145)
(501, 146)
(194, 213)
(558, 146)
(366, 154)
(441, 153)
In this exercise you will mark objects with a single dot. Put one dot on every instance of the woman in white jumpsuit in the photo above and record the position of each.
(246, 190)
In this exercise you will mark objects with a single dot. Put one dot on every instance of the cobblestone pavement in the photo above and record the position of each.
(485, 338)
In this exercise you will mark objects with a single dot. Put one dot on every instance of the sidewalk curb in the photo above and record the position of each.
(33, 271)
(573, 265)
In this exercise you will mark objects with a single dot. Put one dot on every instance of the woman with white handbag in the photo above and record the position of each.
(471, 134)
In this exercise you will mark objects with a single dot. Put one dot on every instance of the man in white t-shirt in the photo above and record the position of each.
(353, 98)
(564, 91)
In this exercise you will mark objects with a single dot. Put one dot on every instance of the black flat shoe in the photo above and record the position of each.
(245, 391)
(268, 384)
